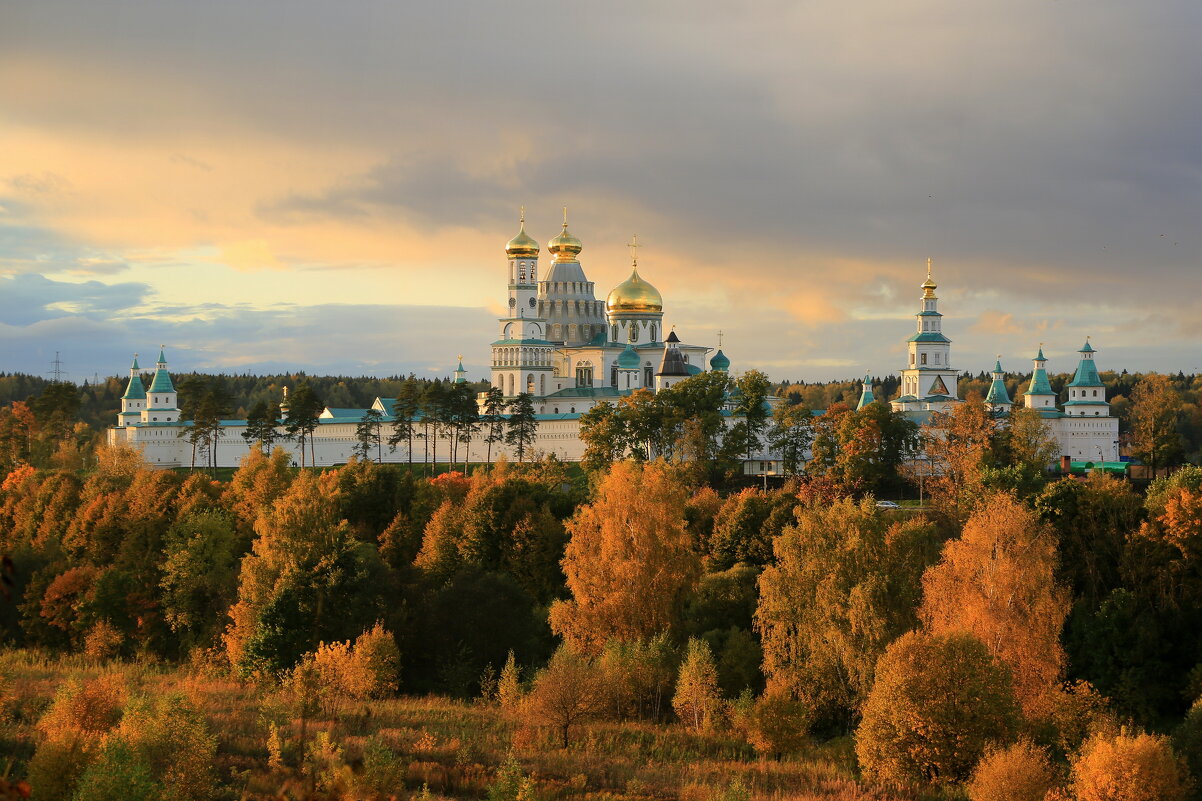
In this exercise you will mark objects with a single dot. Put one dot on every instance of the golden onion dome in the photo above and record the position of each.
(929, 285)
(565, 247)
(634, 295)
(523, 245)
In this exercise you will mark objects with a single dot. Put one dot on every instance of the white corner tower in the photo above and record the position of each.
(928, 383)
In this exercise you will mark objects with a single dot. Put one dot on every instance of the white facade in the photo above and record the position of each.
(928, 383)
(1085, 430)
(557, 343)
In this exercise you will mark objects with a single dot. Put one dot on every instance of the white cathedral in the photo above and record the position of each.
(568, 351)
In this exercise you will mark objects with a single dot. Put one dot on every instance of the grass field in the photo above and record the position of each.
(436, 747)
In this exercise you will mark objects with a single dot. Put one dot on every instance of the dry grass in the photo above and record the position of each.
(450, 747)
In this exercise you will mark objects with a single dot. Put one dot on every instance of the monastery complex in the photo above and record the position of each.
(568, 350)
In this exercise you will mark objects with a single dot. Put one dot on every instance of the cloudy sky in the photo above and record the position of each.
(329, 186)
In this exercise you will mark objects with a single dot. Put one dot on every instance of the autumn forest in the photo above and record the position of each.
(639, 628)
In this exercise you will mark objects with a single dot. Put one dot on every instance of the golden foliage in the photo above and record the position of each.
(697, 700)
(937, 701)
(568, 691)
(845, 583)
(630, 561)
(997, 582)
(1018, 772)
(777, 724)
(367, 669)
(1126, 767)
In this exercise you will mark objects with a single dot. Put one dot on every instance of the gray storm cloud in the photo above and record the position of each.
(1048, 153)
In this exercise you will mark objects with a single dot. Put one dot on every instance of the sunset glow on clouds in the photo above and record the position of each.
(319, 186)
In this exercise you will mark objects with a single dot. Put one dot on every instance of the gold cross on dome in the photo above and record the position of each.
(634, 244)
(523, 217)
(928, 266)
(720, 335)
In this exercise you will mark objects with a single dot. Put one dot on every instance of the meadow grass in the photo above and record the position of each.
(452, 748)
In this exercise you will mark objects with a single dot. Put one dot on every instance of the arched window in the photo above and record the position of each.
(530, 384)
(614, 333)
(511, 392)
(542, 385)
(652, 335)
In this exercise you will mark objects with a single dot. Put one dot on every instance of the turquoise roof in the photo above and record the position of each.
(162, 381)
(1040, 357)
(1088, 347)
(1087, 373)
(628, 359)
(720, 362)
(928, 336)
(135, 366)
(162, 358)
(997, 393)
(866, 397)
(1098, 402)
(135, 390)
(1039, 383)
(693, 369)
(460, 373)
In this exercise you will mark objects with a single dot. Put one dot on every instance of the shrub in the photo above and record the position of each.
(359, 672)
(937, 701)
(509, 687)
(383, 771)
(1019, 772)
(56, 767)
(171, 736)
(778, 724)
(102, 642)
(119, 773)
(1188, 738)
(1125, 767)
(87, 708)
(511, 784)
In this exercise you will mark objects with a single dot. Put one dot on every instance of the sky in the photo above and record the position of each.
(275, 186)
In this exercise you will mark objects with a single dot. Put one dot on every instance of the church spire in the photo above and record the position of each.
(866, 396)
(998, 398)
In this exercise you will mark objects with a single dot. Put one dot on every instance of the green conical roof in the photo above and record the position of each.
(135, 366)
(162, 381)
(997, 390)
(162, 357)
(134, 390)
(1039, 383)
(720, 362)
(1087, 371)
(1088, 347)
(866, 397)
(1040, 357)
(628, 359)
(460, 373)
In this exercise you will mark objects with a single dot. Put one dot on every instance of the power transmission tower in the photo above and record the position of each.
(57, 372)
